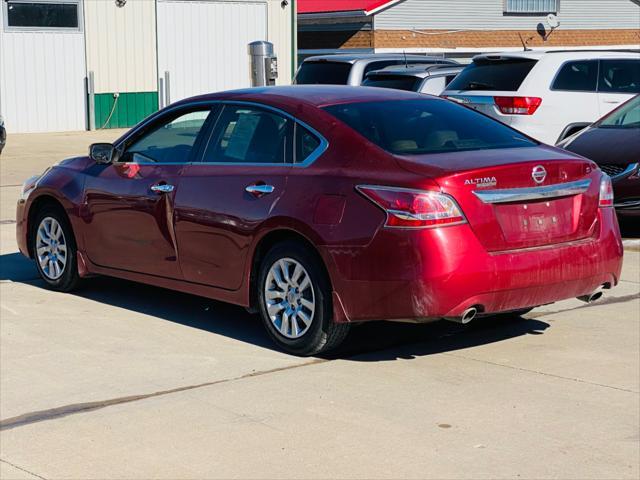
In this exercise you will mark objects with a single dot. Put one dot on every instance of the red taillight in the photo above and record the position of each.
(408, 208)
(517, 105)
(606, 192)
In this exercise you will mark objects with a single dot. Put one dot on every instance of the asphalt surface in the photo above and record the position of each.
(121, 380)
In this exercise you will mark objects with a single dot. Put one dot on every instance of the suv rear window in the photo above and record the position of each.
(503, 75)
(323, 73)
(619, 76)
(391, 81)
(415, 127)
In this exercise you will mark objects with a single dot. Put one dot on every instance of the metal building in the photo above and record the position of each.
(76, 64)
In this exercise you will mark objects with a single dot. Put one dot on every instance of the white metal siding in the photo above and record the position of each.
(488, 15)
(121, 45)
(203, 44)
(42, 80)
(279, 33)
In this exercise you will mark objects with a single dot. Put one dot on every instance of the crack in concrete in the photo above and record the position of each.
(72, 409)
(521, 369)
(22, 469)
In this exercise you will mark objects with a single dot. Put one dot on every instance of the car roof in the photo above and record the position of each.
(368, 57)
(291, 96)
(560, 54)
(418, 71)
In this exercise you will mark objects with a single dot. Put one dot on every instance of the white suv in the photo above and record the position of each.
(548, 95)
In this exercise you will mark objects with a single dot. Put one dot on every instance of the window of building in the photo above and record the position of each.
(525, 7)
(43, 14)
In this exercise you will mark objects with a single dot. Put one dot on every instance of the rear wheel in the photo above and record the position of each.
(294, 298)
(54, 249)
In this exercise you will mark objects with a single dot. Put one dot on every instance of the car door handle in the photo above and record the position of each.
(612, 101)
(259, 190)
(162, 188)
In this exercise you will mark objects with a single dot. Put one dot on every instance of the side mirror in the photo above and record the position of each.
(103, 153)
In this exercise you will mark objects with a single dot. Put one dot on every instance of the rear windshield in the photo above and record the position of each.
(504, 75)
(323, 73)
(392, 81)
(415, 127)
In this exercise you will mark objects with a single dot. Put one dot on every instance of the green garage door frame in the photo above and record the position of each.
(130, 109)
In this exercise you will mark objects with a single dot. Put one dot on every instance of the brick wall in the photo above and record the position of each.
(503, 38)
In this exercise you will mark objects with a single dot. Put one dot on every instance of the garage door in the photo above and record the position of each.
(203, 44)
(42, 66)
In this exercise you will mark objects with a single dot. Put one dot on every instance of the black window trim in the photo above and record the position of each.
(207, 131)
(79, 12)
(555, 77)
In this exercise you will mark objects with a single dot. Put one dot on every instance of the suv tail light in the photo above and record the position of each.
(517, 105)
(407, 208)
(606, 192)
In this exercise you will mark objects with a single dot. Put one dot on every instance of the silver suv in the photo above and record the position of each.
(350, 69)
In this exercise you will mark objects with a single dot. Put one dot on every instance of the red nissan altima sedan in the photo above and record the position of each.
(324, 206)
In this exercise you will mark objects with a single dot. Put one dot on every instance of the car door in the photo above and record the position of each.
(129, 204)
(224, 198)
(619, 80)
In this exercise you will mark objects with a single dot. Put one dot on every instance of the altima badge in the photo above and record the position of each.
(539, 174)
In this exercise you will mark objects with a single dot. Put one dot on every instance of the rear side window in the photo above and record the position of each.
(503, 75)
(250, 135)
(323, 73)
(415, 127)
(392, 81)
(578, 76)
(619, 76)
(306, 143)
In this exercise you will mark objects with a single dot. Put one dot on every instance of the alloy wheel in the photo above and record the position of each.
(289, 298)
(51, 248)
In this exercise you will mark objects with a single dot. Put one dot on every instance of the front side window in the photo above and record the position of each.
(42, 14)
(306, 143)
(619, 76)
(527, 7)
(416, 127)
(247, 134)
(578, 76)
(170, 142)
(627, 116)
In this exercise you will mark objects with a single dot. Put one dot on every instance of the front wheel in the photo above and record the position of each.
(294, 298)
(54, 250)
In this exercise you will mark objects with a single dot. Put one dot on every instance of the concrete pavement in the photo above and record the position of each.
(126, 381)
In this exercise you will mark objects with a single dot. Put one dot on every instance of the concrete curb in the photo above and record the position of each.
(632, 245)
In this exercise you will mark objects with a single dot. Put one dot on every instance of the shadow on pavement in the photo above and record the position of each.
(374, 341)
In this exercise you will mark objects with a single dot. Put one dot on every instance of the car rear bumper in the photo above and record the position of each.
(424, 275)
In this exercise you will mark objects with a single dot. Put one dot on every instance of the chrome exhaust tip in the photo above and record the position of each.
(593, 296)
(468, 315)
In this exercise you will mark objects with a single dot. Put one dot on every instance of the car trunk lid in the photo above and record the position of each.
(519, 198)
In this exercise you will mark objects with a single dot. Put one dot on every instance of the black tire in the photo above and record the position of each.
(323, 334)
(69, 279)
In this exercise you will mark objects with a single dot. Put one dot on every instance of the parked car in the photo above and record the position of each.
(320, 207)
(613, 142)
(350, 69)
(548, 95)
(422, 78)
(3, 134)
